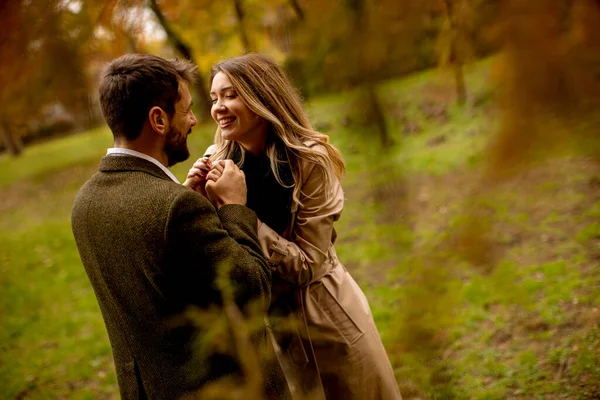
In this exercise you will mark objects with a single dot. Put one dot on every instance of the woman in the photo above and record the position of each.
(293, 177)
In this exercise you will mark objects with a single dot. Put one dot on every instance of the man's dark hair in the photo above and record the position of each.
(134, 83)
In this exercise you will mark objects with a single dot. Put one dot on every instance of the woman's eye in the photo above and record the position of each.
(213, 101)
(230, 96)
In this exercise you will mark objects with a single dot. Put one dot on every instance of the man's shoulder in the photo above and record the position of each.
(171, 194)
(137, 185)
(87, 188)
(112, 198)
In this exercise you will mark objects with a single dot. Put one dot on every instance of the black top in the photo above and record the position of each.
(271, 201)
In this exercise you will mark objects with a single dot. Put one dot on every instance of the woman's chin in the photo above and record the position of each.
(228, 135)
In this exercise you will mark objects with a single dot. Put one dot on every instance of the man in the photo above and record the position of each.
(152, 247)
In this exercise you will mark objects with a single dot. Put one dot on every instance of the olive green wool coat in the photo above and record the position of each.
(151, 249)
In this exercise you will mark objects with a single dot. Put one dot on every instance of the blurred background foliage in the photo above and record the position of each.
(469, 128)
(53, 50)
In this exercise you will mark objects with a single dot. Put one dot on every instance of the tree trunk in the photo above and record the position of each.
(377, 116)
(455, 59)
(239, 12)
(459, 78)
(13, 143)
(297, 9)
(185, 51)
(375, 113)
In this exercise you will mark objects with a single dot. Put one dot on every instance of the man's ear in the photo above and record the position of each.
(158, 120)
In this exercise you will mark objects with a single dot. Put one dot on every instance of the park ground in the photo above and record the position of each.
(481, 289)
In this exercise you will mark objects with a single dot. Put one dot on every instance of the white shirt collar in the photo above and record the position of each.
(129, 152)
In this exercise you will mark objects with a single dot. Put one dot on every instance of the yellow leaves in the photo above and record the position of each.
(548, 84)
(105, 12)
(586, 22)
(471, 240)
(454, 44)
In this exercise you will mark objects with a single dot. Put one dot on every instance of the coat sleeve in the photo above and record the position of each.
(300, 260)
(211, 149)
(209, 244)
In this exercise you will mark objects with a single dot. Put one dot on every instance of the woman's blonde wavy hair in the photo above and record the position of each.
(265, 90)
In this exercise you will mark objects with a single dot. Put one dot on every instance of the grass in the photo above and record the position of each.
(480, 290)
(42, 160)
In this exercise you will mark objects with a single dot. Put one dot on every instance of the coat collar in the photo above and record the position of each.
(121, 163)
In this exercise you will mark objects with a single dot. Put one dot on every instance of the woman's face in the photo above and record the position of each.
(236, 120)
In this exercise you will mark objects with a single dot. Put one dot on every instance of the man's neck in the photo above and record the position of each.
(140, 146)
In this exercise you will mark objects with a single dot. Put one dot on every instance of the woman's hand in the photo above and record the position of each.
(197, 175)
(216, 171)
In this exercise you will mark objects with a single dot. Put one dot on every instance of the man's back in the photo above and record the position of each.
(151, 248)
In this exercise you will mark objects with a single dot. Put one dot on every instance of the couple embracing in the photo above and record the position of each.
(257, 209)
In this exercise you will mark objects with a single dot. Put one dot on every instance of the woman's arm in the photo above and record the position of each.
(300, 260)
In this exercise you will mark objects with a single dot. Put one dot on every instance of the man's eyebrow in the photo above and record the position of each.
(223, 89)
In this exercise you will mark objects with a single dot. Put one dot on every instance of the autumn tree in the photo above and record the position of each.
(206, 32)
(241, 22)
(12, 74)
(537, 83)
(454, 45)
(185, 51)
(367, 64)
(43, 45)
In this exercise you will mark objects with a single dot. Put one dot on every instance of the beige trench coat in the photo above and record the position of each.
(336, 348)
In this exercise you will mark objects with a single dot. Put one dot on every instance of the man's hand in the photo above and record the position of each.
(226, 184)
(196, 177)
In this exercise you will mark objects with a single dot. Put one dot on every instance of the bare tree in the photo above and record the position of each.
(185, 51)
(12, 141)
(240, 15)
(455, 56)
(374, 111)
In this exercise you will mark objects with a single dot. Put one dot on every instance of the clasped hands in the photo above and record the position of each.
(222, 182)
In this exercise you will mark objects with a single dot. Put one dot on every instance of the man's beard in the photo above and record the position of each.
(176, 147)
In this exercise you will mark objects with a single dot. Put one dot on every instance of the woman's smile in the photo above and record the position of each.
(226, 122)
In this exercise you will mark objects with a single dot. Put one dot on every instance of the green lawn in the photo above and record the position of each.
(480, 290)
